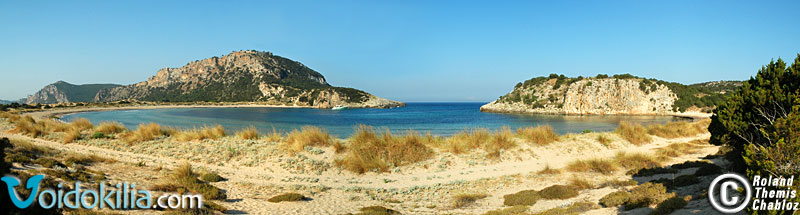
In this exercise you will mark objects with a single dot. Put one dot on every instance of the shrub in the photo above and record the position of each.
(558, 192)
(574, 208)
(635, 134)
(651, 171)
(287, 197)
(249, 133)
(540, 135)
(369, 151)
(377, 210)
(110, 128)
(615, 199)
(708, 170)
(464, 199)
(680, 181)
(98, 135)
(670, 205)
(601, 166)
(308, 136)
(647, 194)
(48, 162)
(525, 197)
(618, 183)
(514, 210)
(147, 132)
(211, 177)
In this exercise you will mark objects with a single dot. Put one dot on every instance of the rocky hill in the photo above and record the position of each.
(63, 92)
(619, 94)
(251, 76)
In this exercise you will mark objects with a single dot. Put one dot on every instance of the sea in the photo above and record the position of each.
(440, 119)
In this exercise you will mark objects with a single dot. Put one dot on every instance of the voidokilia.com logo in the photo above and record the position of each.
(122, 196)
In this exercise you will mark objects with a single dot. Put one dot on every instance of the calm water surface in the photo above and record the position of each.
(438, 118)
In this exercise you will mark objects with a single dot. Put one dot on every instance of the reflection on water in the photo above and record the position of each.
(436, 118)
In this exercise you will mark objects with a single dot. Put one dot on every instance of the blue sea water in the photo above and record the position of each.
(441, 119)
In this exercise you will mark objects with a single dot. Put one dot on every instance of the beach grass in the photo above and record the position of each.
(110, 128)
(371, 151)
(539, 135)
(207, 132)
(147, 132)
(602, 166)
(297, 140)
(249, 133)
(634, 133)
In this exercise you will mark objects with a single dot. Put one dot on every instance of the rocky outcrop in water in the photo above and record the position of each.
(621, 94)
(250, 76)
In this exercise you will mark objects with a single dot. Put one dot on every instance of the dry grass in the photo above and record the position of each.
(679, 129)
(80, 124)
(12, 117)
(580, 183)
(249, 133)
(369, 151)
(501, 140)
(212, 133)
(147, 132)
(110, 128)
(515, 210)
(28, 126)
(573, 209)
(675, 150)
(635, 160)
(549, 171)
(466, 141)
(297, 141)
(601, 166)
(71, 136)
(540, 135)
(273, 136)
(633, 133)
(603, 139)
(464, 199)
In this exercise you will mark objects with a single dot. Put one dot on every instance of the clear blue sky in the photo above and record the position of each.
(403, 50)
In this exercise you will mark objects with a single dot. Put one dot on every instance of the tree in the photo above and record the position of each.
(759, 121)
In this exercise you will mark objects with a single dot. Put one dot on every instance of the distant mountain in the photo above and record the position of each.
(619, 94)
(249, 76)
(4, 102)
(63, 92)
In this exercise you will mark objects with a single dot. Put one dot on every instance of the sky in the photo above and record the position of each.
(412, 51)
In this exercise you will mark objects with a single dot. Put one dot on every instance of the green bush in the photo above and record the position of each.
(98, 135)
(291, 197)
(211, 177)
(647, 194)
(525, 197)
(558, 192)
(615, 199)
(670, 205)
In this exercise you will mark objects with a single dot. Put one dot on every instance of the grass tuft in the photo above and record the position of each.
(249, 133)
(601, 166)
(539, 135)
(183, 179)
(287, 197)
(635, 160)
(678, 129)
(212, 133)
(110, 128)
(634, 133)
(147, 132)
(464, 199)
(369, 151)
(307, 136)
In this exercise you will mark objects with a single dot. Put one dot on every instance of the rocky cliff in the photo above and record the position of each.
(251, 76)
(620, 94)
(63, 92)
